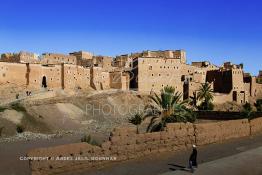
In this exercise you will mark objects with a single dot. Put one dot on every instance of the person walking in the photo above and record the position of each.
(193, 159)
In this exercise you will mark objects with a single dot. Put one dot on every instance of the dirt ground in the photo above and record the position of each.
(55, 111)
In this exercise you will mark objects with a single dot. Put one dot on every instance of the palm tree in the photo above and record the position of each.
(205, 95)
(136, 120)
(166, 108)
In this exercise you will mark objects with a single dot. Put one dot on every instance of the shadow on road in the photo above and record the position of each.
(178, 167)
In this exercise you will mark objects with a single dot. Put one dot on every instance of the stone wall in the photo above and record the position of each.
(125, 143)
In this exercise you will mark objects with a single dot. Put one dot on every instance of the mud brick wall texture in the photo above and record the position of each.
(207, 133)
(256, 125)
(125, 144)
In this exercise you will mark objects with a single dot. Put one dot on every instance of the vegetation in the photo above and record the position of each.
(18, 107)
(136, 120)
(2, 109)
(19, 128)
(88, 139)
(206, 97)
(193, 99)
(258, 105)
(247, 111)
(1, 130)
(167, 108)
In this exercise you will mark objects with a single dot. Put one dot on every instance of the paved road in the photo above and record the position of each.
(168, 162)
(245, 163)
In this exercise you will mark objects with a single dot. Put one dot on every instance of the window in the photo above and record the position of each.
(159, 74)
(152, 74)
(150, 67)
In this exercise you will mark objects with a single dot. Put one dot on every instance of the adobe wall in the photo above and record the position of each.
(125, 144)
(30, 75)
(119, 80)
(55, 58)
(13, 73)
(67, 76)
(258, 91)
(207, 133)
(52, 74)
(256, 126)
(76, 77)
(220, 98)
(156, 73)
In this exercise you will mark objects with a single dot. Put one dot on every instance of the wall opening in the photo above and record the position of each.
(185, 90)
(234, 96)
(44, 84)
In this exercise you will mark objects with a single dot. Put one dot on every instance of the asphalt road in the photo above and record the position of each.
(245, 163)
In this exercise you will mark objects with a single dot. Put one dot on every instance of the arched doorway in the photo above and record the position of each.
(44, 84)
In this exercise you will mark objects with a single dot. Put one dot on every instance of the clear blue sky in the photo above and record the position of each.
(214, 30)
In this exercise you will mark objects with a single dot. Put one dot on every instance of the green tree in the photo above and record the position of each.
(205, 95)
(136, 120)
(167, 108)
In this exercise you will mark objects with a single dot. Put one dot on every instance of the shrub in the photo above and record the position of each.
(18, 107)
(2, 109)
(247, 111)
(1, 130)
(20, 129)
(258, 105)
(88, 139)
(136, 120)
(204, 106)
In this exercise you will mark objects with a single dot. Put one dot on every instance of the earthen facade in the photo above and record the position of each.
(146, 72)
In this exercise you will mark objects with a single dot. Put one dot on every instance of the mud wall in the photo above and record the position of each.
(207, 133)
(256, 126)
(125, 143)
